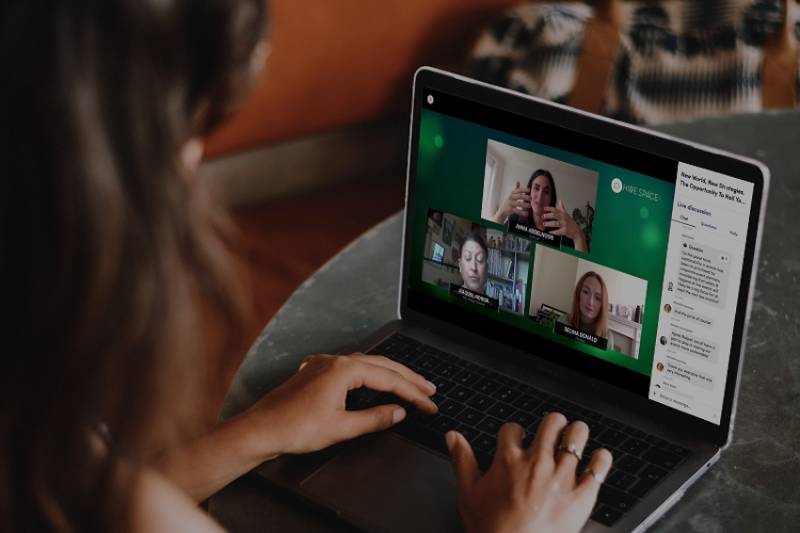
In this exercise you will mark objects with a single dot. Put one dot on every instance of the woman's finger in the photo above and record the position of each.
(510, 436)
(543, 447)
(426, 386)
(570, 450)
(386, 380)
(378, 418)
(592, 477)
(465, 466)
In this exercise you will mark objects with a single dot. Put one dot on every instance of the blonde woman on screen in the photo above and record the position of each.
(590, 306)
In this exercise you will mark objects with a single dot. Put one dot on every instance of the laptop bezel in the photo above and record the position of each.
(628, 135)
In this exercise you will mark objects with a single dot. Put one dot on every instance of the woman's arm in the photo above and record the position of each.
(160, 507)
(207, 464)
(304, 414)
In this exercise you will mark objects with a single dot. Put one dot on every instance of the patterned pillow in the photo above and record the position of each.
(677, 59)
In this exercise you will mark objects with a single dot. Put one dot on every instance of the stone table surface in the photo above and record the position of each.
(756, 484)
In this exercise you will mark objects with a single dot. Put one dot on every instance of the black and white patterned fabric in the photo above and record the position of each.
(677, 60)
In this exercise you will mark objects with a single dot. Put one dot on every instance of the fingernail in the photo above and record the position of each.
(431, 386)
(450, 440)
(398, 415)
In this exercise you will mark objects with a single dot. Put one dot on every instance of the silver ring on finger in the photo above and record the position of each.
(571, 448)
(597, 477)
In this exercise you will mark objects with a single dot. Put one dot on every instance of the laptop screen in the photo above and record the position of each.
(607, 258)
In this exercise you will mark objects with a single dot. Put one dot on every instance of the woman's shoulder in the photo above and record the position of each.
(161, 506)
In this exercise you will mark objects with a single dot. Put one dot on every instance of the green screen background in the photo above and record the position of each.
(629, 233)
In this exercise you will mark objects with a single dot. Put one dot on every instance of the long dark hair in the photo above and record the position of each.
(107, 245)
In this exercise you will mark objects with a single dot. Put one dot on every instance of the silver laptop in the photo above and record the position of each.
(554, 260)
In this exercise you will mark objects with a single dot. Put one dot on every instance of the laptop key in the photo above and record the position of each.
(471, 416)
(591, 416)
(443, 386)
(461, 394)
(480, 402)
(446, 370)
(484, 443)
(466, 377)
(616, 498)
(522, 418)
(469, 432)
(490, 425)
(678, 450)
(486, 386)
(450, 408)
(442, 424)
(527, 403)
(503, 411)
(606, 515)
(427, 364)
(630, 464)
(634, 446)
(652, 473)
(661, 458)
(620, 479)
(544, 408)
(611, 437)
(507, 394)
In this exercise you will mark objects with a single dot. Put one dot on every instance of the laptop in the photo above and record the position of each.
(553, 260)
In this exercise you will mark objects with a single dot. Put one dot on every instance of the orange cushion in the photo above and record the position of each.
(335, 63)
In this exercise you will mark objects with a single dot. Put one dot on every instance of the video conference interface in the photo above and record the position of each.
(639, 271)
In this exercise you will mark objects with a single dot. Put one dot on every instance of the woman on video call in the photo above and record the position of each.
(537, 204)
(113, 263)
(590, 307)
(472, 263)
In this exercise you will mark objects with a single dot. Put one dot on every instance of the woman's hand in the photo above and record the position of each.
(517, 203)
(529, 489)
(304, 414)
(307, 412)
(557, 217)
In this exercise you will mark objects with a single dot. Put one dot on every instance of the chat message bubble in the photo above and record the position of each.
(691, 345)
(703, 273)
(689, 375)
(695, 317)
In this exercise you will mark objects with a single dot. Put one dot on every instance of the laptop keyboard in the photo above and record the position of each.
(476, 401)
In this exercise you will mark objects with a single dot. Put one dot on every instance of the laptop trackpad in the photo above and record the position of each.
(387, 484)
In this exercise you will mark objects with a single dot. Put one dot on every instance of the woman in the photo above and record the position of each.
(472, 262)
(537, 205)
(112, 261)
(590, 307)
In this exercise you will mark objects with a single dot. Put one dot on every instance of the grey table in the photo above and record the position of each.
(756, 484)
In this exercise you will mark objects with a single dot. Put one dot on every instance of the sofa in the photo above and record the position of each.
(336, 86)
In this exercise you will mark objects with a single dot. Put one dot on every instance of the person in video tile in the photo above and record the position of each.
(590, 306)
(537, 203)
(472, 263)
